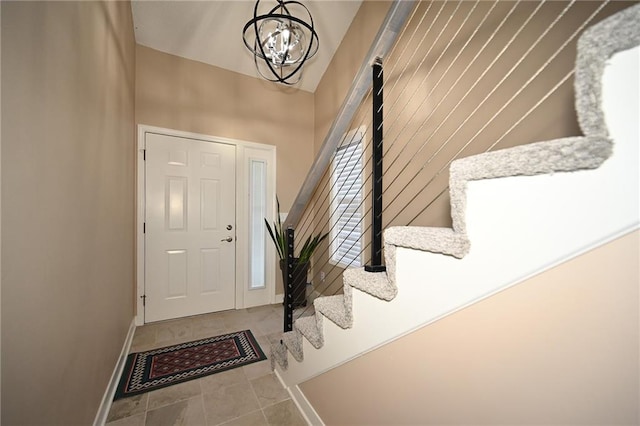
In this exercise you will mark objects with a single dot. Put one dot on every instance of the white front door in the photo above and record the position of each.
(190, 227)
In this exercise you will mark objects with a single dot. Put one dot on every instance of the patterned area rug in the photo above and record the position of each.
(159, 368)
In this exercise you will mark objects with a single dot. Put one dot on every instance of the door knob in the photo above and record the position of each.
(228, 239)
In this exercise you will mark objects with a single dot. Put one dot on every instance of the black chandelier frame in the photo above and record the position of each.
(258, 50)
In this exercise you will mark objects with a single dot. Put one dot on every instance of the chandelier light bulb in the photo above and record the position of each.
(283, 46)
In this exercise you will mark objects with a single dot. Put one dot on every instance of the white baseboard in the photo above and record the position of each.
(306, 409)
(107, 399)
(278, 298)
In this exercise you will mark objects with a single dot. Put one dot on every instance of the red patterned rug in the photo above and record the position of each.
(159, 368)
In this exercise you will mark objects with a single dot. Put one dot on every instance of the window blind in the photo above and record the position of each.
(346, 223)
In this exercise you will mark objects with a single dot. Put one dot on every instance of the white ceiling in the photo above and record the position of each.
(210, 31)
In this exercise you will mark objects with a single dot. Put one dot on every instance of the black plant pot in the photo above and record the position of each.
(299, 285)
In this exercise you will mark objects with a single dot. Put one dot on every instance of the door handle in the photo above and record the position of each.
(228, 239)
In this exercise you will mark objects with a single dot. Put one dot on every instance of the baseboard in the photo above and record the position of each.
(278, 298)
(306, 409)
(139, 320)
(107, 399)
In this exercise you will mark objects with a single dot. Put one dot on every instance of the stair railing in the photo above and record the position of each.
(386, 37)
(454, 87)
(376, 173)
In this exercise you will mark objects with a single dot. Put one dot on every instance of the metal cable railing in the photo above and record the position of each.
(469, 77)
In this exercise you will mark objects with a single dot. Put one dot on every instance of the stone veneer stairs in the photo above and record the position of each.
(616, 33)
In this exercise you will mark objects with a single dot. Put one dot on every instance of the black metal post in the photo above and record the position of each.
(376, 211)
(288, 284)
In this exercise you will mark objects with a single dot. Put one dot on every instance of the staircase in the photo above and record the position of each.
(516, 213)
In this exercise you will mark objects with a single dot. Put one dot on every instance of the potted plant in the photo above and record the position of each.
(300, 263)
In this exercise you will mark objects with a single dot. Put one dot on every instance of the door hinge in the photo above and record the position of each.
(144, 155)
(144, 299)
(144, 227)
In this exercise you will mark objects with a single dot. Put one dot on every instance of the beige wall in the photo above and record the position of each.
(560, 348)
(67, 205)
(182, 94)
(346, 62)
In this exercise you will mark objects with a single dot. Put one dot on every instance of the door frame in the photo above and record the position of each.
(245, 151)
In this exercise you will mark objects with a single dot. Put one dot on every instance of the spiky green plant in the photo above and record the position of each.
(277, 234)
(279, 238)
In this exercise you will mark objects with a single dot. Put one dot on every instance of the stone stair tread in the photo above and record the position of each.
(436, 240)
(310, 329)
(293, 341)
(279, 355)
(376, 284)
(333, 307)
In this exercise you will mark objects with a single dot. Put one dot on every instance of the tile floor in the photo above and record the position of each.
(249, 395)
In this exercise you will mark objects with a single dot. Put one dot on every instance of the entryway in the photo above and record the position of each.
(200, 249)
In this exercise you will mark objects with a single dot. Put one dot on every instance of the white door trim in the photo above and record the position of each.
(242, 248)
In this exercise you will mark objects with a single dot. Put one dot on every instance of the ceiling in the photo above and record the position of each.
(210, 31)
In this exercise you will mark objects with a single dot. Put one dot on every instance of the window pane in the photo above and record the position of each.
(346, 215)
(257, 213)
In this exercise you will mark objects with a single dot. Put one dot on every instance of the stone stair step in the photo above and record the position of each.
(376, 284)
(435, 240)
(278, 354)
(333, 307)
(310, 329)
(293, 341)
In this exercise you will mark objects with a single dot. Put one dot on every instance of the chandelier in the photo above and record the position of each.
(281, 41)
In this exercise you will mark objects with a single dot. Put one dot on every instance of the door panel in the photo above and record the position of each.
(190, 204)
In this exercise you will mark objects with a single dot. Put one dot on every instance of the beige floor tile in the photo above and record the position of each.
(271, 324)
(172, 394)
(274, 337)
(230, 396)
(259, 309)
(212, 316)
(252, 419)
(255, 330)
(233, 314)
(268, 390)
(264, 343)
(144, 348)
(188, 412)
(284, 413)
(207, 326)
(145, 334)
(175, 332)
(229, 403)
(260, 313)
(137, 420)
(144, 338)
(217, 381)
(257, 369)
(128, 407)
(238, 323)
